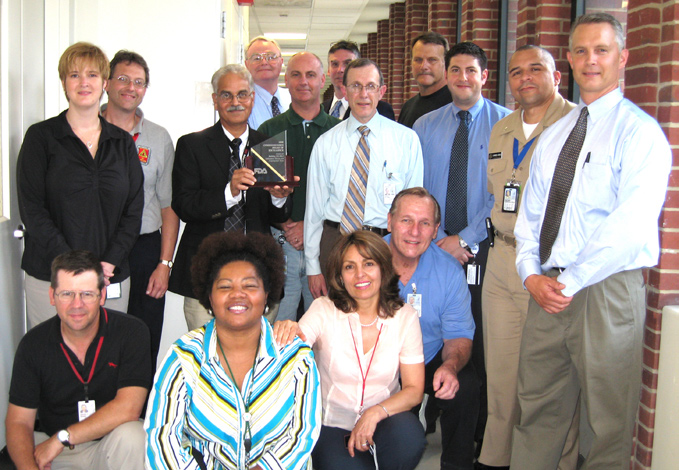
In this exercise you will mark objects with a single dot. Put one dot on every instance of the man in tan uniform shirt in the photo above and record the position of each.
(534, 83)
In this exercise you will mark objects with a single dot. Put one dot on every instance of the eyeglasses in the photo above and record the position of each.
(68, 296)
(358, 88)
(269, 57)
(242, 96)
(125, 80)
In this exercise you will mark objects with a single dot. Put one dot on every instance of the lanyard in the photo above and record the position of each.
(94, 363)
(367, 371)
(247, 441)
(518, 157)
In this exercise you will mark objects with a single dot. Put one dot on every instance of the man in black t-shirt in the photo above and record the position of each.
(86, 373)
(429, 71)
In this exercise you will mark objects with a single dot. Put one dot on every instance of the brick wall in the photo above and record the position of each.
(397, 49)
(651, 79)
(480, 24)
(383, 46)
(417, 12)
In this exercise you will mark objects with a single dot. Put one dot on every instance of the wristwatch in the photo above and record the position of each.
(463, 243)
(167, 263)
(64, 437)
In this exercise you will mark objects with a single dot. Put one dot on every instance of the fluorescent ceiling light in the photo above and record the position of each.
(283, 36)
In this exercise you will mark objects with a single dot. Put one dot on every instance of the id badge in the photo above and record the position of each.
(415, 301)
(389, 193)
(473, 274)
(114, 291)
(510, 199)
(86, 409)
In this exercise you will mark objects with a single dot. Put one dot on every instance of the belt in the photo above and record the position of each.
(508, 239)
(380, 231)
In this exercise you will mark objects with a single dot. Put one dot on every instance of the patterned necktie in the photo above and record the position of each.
(336, 109)
(354, 206)
(236, 221)
(275, 110)
(561, 185)
(456, 194)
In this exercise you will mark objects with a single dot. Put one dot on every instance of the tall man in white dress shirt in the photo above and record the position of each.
(344, 191)
(588, 224)
(264, 61)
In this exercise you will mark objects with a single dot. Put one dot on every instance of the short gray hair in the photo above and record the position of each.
(261, 38)
(237, 69)
(544, 53)
(598, 18)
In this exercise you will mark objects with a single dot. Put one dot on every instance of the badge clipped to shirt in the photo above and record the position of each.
(114, 291)
(415, 301)
(510, 197)
(473, 269)
(86, 409)
(389, 192)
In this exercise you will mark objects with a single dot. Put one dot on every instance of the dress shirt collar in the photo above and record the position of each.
(243, 137)
(343, 107)
(600, 107)
(63, 128)
(266, 95)
(375, 124)
(474, 110)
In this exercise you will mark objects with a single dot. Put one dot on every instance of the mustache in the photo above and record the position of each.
(237, 107)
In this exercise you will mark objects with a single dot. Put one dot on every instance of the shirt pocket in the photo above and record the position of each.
(496, 173)
(596, 187)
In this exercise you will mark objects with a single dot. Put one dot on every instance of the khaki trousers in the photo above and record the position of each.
(505, 304)
(122, 448)
(592, 349)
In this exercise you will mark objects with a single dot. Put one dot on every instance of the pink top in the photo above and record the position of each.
(327, 329)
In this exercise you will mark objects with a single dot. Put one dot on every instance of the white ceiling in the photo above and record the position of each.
(323, 21)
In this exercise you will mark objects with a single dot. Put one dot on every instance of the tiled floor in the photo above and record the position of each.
(431, 460)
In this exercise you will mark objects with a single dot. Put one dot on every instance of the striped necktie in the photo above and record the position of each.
(561, 185)
(354, 206)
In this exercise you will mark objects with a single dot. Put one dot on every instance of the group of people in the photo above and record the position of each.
(479, 257)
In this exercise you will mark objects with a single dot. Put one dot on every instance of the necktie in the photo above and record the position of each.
(456, 194)
(561, 185)
(236, 221)
(336, 109)
(354, 206)
(275, 110)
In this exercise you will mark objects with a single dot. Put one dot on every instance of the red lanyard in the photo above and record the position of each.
(364, 377)
(94, 363)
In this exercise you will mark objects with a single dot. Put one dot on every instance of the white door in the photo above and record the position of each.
(21, 104)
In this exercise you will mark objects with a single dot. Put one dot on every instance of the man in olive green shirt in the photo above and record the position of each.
(304, 122)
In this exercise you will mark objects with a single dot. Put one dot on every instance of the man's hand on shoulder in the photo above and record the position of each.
(317, 285)
(451, 244)
(445, 383)
(47, 451)
(546, 291)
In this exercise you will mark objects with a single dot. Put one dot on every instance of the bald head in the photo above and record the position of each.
(304, 78)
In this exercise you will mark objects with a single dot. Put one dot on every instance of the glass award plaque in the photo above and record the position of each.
(270, 162)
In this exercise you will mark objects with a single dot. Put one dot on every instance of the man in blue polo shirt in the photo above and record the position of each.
(432, 281)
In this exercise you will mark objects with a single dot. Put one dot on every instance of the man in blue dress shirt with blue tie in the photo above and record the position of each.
(455, 142)
(587, 225)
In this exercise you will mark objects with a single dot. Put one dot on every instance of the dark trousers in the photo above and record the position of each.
(144, 259)
(329, 238)
(399, 441)
(458, 416)
(478, 358)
